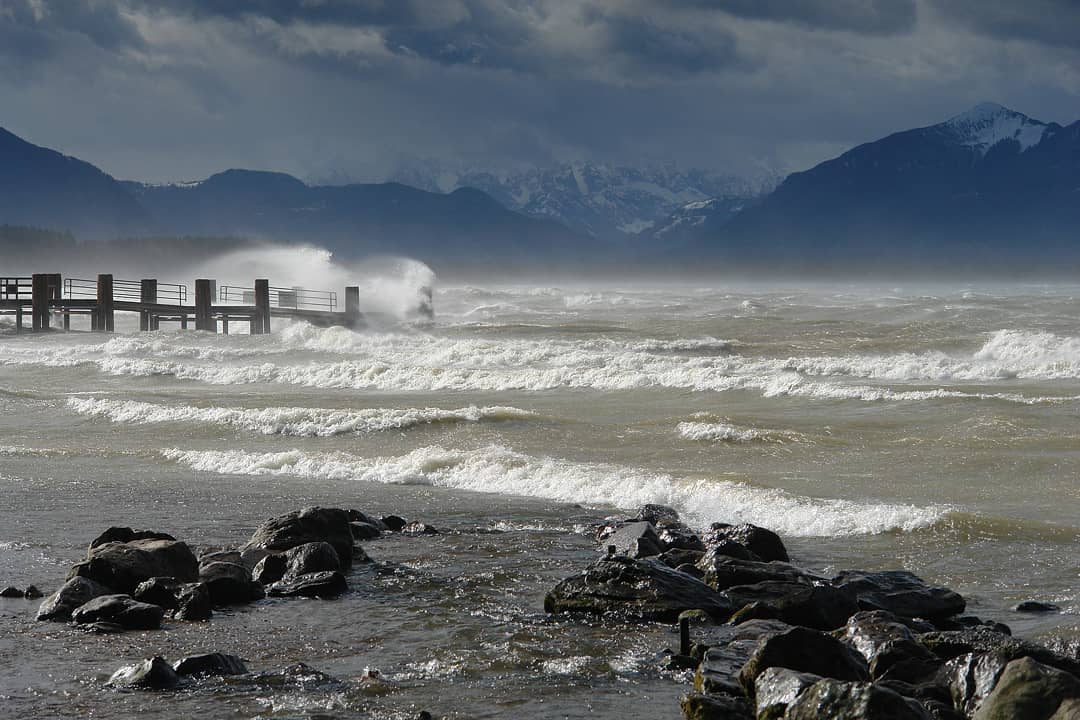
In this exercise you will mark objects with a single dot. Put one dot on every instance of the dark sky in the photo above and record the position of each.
(178, 89)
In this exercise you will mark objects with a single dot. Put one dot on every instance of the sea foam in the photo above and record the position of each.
(497, 469)
(307, 422)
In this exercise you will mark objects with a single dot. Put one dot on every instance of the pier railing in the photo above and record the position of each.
(16, 288)
(127, 291)
(294, 298)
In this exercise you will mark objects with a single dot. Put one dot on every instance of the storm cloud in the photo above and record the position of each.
(355, 89)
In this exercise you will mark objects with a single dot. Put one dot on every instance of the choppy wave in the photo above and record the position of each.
(305, 422)
(414, 361)
(497, 469)
(725, 432)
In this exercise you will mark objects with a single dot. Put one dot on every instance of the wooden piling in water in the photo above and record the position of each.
(262, 305)
(148, 295)
(39, 299)
(203, 302)
(352, 306)
(104, 313)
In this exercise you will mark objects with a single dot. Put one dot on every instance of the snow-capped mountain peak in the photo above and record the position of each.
(985, 125)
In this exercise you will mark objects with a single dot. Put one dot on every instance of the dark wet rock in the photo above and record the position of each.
(971, 677)
(122, 610)
(151, 674)
(364, 531)
(311, 558)
(723, 571)
(948, 644)
(123, 565)
(830, 699)
(654, 513)
(299, 676)
(313, 524)
(416, 528)
(32, 593)
(676, 536)
(158, 591)
(608, 528)
(966, 622)
(211, 664)
(318, 584)
(934, 698)
(675, 557)
(815, 606)
(1035, 606)
(250, 557)
(193, 603)
(1032, 691)
(766, 544)
(730, 647)
(639, 589)
(229, 556)
(11, 592)
(692, 571)
(75, 592)
(126, 534)
(229, 584)
(777, 687)
(729, 548)
(900, 592)
(393, 523)
(270, 569)
(890, 647)
(696, 706)
(636, 539)
(674, 662)
(804, 650)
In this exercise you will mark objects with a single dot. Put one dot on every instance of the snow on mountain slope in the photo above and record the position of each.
(987, 124)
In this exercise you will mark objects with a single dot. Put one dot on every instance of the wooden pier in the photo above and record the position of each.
(49, 296)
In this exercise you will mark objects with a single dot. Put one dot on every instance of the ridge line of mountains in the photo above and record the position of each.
(989, 188)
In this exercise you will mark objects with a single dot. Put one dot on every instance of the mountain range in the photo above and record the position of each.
(989, 188)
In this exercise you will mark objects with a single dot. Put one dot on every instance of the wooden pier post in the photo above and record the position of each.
(262, 306)
(56, 292)
(39, 298)
(352, 306)
(104, 312)
(203, 302)
(18, 319)
(147, 295)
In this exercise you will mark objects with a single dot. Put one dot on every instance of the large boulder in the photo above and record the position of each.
(637, 589)
(766, 544)
(723, 571)
(313, 524)
(126, 534)
(730, 646)
(75, 592)
(804, 650)
(123, 565)
(311, 557)
(948, 644)
(696, 706)
(210, 664)
(972, 677)
(270, 569)
(635, 539)
(890, 647)
(158, 591)
(830, 699)
(151, 674)
(798, 603)
(120, 610)
(777, 687)
(229, 584)
(193, 602)
(317, 584)
(901, 593)
(1032, 691)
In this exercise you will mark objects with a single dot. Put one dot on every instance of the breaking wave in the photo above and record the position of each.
(724, 432)
(496, 469)
(303, 422)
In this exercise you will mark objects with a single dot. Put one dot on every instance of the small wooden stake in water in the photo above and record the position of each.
(684, 636)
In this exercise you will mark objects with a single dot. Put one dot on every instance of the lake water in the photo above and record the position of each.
(925, 427)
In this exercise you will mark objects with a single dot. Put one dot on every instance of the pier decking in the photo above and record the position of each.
(48, 296)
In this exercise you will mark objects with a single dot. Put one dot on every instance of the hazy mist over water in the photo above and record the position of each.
(928, 427)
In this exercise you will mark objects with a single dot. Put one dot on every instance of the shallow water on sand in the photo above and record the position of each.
(921, 427)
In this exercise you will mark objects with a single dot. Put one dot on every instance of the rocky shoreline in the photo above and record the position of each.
(763, 638)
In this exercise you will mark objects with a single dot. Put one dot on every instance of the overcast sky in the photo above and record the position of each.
(178, 89)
